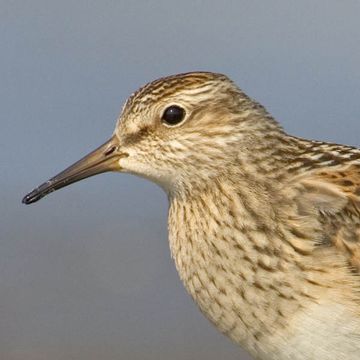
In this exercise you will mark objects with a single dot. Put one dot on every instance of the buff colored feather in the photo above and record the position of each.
(264, 227)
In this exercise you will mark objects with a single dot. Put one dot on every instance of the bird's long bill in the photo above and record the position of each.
(104, 158)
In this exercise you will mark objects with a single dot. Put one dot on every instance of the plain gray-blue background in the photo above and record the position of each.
(86, 272)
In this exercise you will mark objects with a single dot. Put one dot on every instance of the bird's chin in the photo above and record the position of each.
(145, 171)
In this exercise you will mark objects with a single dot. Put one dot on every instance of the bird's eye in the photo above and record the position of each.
(173, 115)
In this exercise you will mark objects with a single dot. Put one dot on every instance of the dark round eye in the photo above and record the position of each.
(173, 115)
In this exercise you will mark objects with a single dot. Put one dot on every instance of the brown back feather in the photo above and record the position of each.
(335, 196)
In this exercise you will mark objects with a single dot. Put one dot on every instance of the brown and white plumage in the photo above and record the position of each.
(335, 194)
(264, 227)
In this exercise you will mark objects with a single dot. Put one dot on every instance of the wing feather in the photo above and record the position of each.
(334, 195)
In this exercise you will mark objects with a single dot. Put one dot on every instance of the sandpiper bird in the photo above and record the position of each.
(264, 227)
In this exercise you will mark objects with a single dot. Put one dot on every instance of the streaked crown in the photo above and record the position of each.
(188, 127)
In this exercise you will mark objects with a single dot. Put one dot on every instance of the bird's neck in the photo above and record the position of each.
(229, 249)
(223, 250)
(241, 250)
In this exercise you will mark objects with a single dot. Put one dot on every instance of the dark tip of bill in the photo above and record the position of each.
(32, 197)
(38, 193)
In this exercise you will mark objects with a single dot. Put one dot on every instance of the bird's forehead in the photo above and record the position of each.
(187, 88)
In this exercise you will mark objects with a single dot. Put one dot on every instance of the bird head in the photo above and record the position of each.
(177, 131)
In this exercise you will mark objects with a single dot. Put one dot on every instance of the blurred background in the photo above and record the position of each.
(86, 273)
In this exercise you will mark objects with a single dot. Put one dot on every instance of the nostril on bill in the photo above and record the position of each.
(110, 150)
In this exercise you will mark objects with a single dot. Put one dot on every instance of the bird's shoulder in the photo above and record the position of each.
(332, 196)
